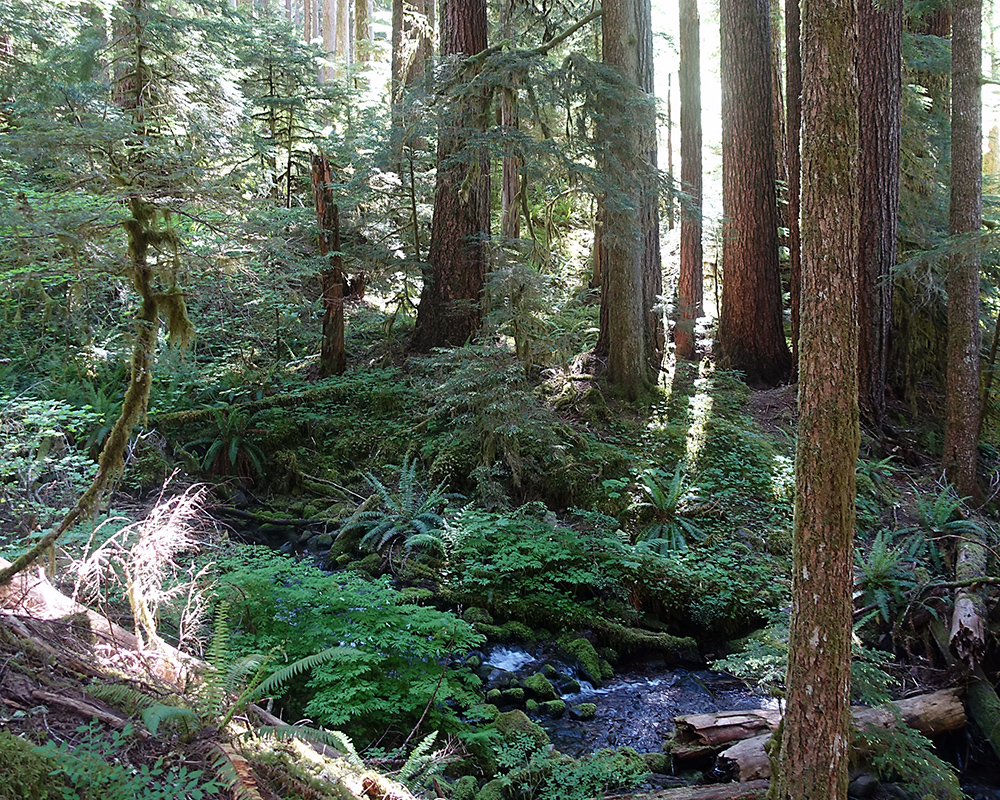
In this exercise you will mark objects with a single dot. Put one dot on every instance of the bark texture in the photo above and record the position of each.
(450, 311)
(332, 359)
(631, 321)
(813, 759)
(689, 282)
(965, 217)
(793, 86)
(880, 32)
(751, 333)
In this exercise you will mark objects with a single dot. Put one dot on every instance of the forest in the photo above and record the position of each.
(499, 400)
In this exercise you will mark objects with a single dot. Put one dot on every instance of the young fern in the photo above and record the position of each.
(419, 760)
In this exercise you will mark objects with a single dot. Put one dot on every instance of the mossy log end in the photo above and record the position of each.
(967, 640)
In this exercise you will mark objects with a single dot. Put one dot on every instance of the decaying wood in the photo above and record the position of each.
(968, 628)
(33, 595)
(86, 709)
(698, 734)
(930, 714)
(752, 790)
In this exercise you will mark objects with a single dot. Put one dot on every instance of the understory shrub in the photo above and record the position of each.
(395, 658)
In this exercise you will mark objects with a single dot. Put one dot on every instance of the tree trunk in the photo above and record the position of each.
(510, 214)
(631, 324)
(689, 282)
(363, 30)
(880, 33)
(778, 106)
(813, 758)
(450, 311)
(793, 85)
(343, 36)
(332, 360)
(751, 335)
(962, 402)
(670, 151)
(329, 26)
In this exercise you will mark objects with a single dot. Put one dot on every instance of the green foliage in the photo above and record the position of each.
(231, 450)
(410, 518)
(43, 460)
(372, 656)
(595, 775)
(672, 504)
(87, 766)
(884, 575)
(875, 490)
(903, 755)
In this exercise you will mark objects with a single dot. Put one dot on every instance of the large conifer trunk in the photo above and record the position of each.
(751, 334)
(689, 283)
(451, 311)
(965, 217)
(814, 748)
(629, 241)
(880, 93)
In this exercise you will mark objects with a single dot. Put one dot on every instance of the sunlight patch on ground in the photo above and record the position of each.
(701, 404)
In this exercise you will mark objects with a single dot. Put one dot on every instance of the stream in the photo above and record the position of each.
(634, 709)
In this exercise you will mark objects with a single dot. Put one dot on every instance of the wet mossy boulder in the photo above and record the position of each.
(514, 727)
(539, 687)
(585, 657)
(513, 695)
(553, 708)
(494, 696)
(583, 711)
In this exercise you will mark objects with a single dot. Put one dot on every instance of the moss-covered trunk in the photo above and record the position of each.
(813, 760)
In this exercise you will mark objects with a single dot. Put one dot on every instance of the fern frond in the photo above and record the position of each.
(238, 672)
(338, 740)
(283, 676)
(184, 718)
(418, 760)
(122, 696)
(235, 772)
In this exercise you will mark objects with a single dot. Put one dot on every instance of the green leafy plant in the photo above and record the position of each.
(231, 450)
(884, 575)
(410, 518)
(874, 488)
(87, 766)
(352, 652)
(672, 504)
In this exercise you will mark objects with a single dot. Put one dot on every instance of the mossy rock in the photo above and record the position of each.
(464, 788)
(657, 762)
(607, 671)
(532, 706)
(494, 696)
(515, 695)
(539, 687)
(514, 631)
(416, 595)
(515, 725)
(371, 564)
(583, 711)
(477, 616)
(553, 708)
(492, 791)
(26, 774)
(585, 657)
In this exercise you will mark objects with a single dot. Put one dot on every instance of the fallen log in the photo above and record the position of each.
(696, 735)
(930, 714)
(967, 640)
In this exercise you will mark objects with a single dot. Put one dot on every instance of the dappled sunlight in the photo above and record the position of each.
(701, 405)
